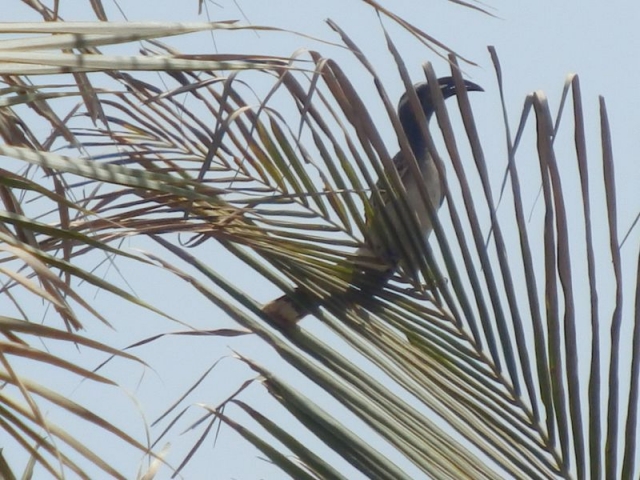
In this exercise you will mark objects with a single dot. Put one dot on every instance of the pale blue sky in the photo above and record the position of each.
(538, 44)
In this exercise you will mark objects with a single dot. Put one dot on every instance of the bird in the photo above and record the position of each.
(287, 310)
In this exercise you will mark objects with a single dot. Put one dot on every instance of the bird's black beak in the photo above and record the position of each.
(473, 87)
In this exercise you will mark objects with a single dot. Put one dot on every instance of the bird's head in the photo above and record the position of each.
(408, 119)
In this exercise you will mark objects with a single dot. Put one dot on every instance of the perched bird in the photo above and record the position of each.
(289, 309)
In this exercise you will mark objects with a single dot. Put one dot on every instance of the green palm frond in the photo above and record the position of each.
(492, 363)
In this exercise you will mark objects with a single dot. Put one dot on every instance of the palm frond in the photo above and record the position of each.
(491, 339)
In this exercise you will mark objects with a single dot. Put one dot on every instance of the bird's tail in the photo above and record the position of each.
(287, 310)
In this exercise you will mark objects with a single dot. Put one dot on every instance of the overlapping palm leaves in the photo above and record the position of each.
(488, 341)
